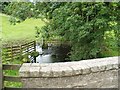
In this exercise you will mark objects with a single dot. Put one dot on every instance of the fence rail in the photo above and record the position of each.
(10, 52)
(11, 67)
(10, 78)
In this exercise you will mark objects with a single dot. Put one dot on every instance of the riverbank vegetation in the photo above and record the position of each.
(91, 28)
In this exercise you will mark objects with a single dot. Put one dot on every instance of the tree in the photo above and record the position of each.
(20, 10)
(3, 5)
(83, 24)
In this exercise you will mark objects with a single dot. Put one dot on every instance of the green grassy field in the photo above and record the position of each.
(15, 34)
(20, 32)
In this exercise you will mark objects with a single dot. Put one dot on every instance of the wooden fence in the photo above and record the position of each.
(56, 42)
(10, 52)
(10, 78)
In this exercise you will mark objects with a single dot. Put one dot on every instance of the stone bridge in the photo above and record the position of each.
(93, 73)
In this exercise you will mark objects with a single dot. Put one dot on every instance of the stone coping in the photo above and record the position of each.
(62, 69)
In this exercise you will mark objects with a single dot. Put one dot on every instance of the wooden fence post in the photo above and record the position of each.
(27, 47)
(1, 75)
(34, 50)
(20, 50)
(12, 52)
(1, 71)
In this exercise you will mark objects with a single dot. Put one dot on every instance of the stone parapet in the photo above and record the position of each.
(101, 72)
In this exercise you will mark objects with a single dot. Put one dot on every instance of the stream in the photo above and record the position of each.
(51, 54)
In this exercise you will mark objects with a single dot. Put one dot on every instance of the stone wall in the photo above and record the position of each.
(94, 73)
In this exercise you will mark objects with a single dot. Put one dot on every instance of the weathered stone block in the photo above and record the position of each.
(34, 72)
(26, 64)
(24, 71)
(35, 65)
(46, 72)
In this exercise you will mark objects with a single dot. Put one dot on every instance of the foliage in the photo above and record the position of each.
(3, 5)
(83, 24)
(111, 44)
(34, 54)
(25, 58)
(19, 10)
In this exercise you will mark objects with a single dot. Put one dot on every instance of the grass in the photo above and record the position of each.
(12, 34)
(12, 73)
(9, 83)
(24, 31)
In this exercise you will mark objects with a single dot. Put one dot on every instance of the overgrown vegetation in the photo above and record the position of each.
(85, 25)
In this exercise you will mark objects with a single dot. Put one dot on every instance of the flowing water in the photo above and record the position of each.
(51, 54)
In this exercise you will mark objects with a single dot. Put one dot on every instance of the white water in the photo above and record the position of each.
(43, 58)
